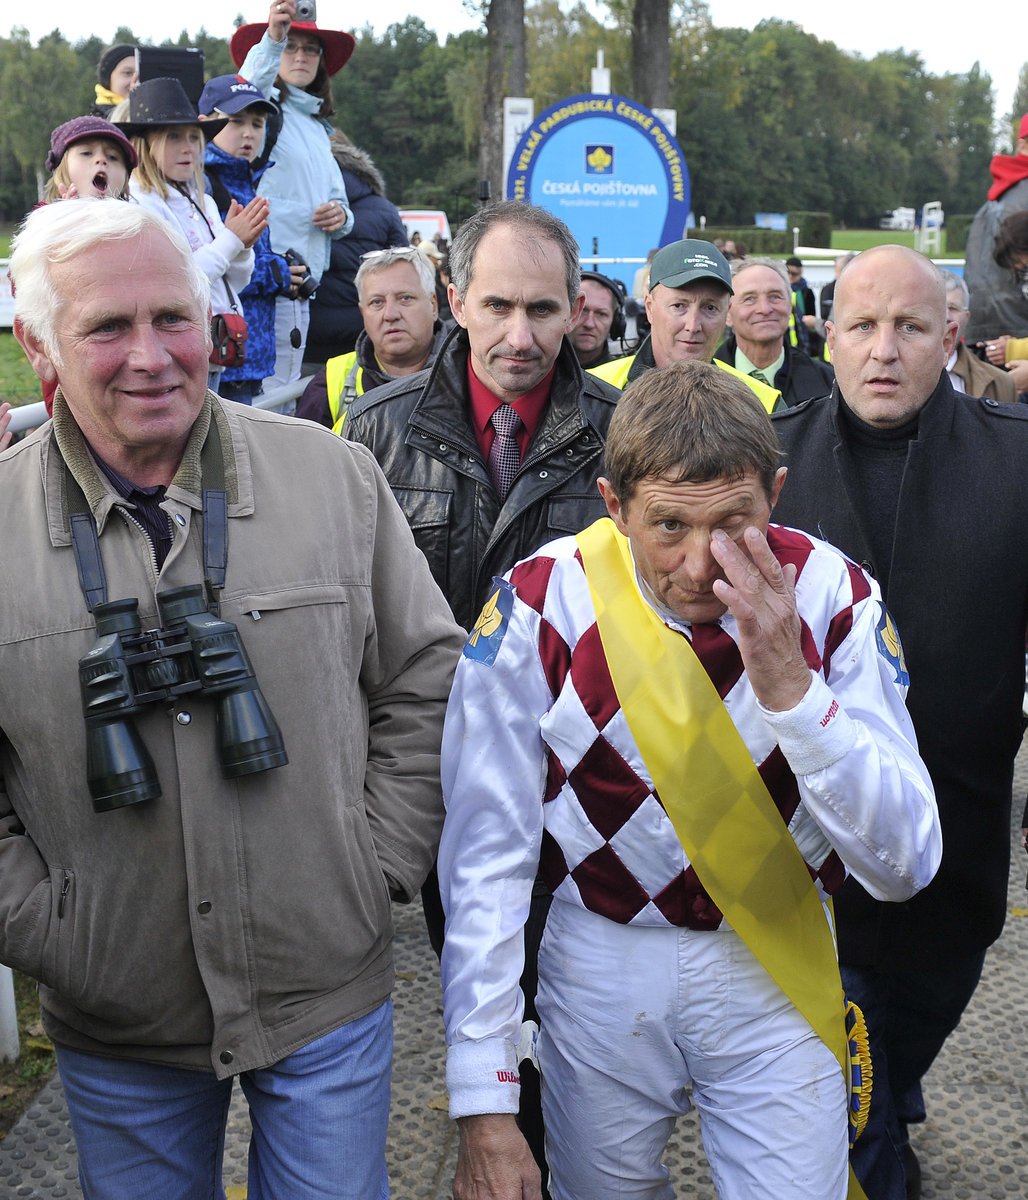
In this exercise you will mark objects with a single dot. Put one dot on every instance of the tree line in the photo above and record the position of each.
(770, 119)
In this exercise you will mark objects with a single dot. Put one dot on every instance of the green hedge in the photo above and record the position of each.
(756, 241)
(957, 227)
(815, 227)
(815, 230)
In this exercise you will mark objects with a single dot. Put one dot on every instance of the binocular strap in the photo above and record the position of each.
(86, 543)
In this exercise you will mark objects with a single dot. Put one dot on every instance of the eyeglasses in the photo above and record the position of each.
(312, 49)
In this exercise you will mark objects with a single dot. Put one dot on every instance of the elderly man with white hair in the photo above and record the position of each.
(192, 863)
(967, 372)
(402, 334)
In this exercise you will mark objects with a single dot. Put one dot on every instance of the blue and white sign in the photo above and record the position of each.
(611, 170)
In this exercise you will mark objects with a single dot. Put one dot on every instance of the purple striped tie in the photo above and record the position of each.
(505, 455)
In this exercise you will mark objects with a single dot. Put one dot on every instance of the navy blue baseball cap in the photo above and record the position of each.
(230, 94)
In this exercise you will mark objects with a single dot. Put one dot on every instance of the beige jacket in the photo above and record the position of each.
(982, 378)
(228, 922)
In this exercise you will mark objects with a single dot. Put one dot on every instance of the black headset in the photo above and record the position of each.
(620, 293)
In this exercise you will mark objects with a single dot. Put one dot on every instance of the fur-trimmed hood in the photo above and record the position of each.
(359, 162)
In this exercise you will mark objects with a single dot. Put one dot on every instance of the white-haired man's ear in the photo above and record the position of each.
(42, 360)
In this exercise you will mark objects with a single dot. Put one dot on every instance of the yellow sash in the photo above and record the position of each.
(714, 795)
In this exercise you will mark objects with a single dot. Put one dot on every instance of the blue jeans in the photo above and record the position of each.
(319, 1116)
(909, 1015)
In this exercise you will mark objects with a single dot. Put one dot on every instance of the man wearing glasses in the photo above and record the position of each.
(804, 308)
(402, 334)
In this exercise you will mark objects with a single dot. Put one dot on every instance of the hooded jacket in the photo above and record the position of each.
(231, 178)
(229, 921)
(335, 318)
(997, 305)
(305, 174)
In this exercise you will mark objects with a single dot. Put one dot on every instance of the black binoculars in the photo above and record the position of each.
(129, 668)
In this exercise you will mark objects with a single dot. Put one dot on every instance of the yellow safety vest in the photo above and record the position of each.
(616, 373)
(344, 382)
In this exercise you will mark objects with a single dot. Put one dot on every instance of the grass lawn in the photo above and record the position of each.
(18, 382)
(863, 239)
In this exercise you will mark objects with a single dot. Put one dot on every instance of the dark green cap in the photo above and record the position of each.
(686, 261)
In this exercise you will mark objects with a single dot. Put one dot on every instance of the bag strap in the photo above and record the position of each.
(232, 299)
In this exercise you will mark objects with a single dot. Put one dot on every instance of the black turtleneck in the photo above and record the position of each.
(879, 457)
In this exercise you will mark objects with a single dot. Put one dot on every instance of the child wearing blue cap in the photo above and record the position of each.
(232, 174)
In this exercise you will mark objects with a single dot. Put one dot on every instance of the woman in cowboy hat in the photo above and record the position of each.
(293, 63)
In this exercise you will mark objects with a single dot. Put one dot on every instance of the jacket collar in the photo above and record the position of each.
(643, 360)
(186, 487)
(934, 420)
(445, 395)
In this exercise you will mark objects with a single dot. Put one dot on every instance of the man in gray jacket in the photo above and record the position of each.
(997, 306)
(199, 874)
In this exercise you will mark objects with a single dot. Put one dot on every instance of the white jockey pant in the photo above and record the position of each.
(634, 1019)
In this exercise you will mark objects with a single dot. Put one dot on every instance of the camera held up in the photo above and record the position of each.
(308, 285)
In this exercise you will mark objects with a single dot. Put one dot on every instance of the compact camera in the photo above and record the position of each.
(306, 10)
(308, 285)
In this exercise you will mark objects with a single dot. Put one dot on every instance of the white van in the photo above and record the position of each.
(426, 221)
(899, 218)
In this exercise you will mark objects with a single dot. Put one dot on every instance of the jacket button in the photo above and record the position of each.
(180, 520)
(183, 718)
(443, 446)
(226, 1057)
(204, 907)
(991, 403)
(544, 474)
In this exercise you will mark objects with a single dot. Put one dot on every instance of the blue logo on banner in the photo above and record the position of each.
(613, 173)
(599, 160)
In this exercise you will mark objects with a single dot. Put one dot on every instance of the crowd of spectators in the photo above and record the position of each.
(311, 270)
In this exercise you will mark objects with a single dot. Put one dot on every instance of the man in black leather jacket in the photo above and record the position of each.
(515, 293)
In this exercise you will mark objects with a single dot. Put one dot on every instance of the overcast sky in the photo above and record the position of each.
(945, 45)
